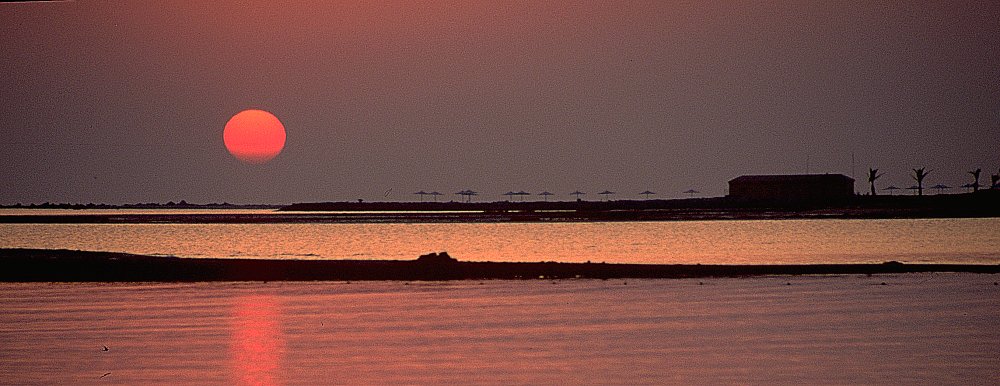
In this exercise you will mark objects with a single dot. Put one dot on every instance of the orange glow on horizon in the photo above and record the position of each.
(254, 136)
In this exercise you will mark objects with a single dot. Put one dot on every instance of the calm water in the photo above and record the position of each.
(724, 242)
(918, 328)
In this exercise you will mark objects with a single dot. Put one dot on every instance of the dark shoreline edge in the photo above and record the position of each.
(43, 265)
(965, 205)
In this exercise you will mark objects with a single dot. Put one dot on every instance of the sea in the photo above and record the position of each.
(930, 328)
(809, 241)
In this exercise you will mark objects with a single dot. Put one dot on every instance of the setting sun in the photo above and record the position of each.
(254, 136)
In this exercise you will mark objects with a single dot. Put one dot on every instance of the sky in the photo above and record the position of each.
(124, 102)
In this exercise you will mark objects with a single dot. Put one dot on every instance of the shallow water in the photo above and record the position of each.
(918, 328)
(715, 242)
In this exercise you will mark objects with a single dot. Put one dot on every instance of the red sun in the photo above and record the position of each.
(254, 136)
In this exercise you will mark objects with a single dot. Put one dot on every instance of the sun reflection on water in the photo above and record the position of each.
(257, 344)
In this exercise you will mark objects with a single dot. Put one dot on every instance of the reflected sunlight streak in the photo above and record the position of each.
(257, 343)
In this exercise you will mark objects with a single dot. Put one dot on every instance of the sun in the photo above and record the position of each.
(254, 136)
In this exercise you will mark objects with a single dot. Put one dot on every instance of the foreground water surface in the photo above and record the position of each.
(706, 242)
(916, 328)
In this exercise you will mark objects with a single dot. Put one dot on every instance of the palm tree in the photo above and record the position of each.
(873, 175)
(975, 174)
(919, 175)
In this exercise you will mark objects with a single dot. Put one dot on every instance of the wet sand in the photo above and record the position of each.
(40, 265)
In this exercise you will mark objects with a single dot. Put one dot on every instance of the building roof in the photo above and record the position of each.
(772, 178)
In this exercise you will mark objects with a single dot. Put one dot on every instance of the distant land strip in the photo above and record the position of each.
(967, 205)
(43, 265)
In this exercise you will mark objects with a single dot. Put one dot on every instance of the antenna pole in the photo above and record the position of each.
(852, 171)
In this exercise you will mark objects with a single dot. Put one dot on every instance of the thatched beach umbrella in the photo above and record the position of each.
(940, 187)
(647, 193)
(545, 195)
(468, 194)
(577, 194)
(435, 194)
(510, 195)
(691, 192)
(606, 193)
(422, 194)
(522, 194)
(891, 189)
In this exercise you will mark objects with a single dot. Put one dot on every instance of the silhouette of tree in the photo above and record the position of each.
(919, 175)
(873, 175)
(975, 174)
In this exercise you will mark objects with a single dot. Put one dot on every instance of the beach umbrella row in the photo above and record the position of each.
(510, 194)
(940, 188)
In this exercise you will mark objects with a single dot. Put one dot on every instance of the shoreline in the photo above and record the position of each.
(432, 217)
(44, 265)
(984, 204)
